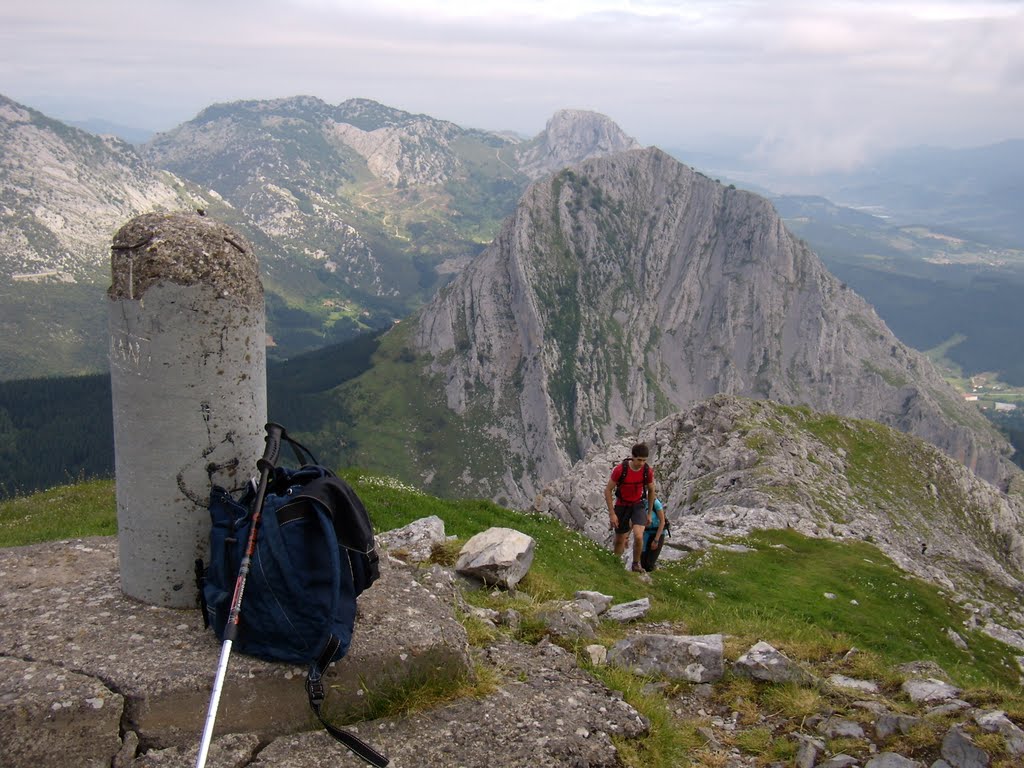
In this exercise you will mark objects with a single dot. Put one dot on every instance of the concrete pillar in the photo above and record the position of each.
(188, 377)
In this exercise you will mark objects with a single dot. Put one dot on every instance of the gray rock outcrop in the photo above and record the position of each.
(728, 465)
(571, 136)
(697, 658)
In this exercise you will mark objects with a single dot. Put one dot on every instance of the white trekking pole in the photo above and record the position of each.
(265, 466)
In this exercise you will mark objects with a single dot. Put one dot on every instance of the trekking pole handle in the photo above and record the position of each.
(275, 432)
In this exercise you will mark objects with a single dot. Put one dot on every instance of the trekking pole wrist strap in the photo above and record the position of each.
(317, 693)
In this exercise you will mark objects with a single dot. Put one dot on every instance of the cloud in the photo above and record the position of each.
(822, 81)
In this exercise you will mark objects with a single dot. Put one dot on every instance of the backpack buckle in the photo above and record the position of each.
(315, 690)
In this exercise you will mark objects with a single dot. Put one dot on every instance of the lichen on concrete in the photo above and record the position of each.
(187, 249)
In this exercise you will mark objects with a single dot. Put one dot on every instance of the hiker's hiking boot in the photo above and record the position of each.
(637, 568)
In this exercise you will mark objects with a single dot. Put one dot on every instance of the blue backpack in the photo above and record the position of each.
(314, 556)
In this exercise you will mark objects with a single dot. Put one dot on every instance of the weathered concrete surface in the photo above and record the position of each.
(63, 610)
(189, 386)
(50, 711)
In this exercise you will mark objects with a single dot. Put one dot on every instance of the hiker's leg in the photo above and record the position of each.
(620, 542)
(638, 542)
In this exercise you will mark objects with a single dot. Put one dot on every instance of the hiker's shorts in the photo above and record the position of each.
(630, 515)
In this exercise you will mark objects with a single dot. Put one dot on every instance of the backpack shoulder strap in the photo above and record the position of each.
(622, 474)
(351, 521)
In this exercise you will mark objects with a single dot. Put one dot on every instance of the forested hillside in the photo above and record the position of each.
(56, 430)
(53, 431)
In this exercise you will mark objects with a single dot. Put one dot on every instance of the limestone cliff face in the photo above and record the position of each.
(630, 286)
(571, 136)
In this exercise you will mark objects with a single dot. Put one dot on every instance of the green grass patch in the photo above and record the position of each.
(779, 593)
(65, 512)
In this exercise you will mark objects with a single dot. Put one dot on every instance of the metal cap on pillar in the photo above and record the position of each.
(188, 378)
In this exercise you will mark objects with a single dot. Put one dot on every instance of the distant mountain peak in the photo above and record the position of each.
(571, 136)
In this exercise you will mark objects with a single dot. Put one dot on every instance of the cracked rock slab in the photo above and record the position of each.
(63, 608)
(49, 711)
(546, 713)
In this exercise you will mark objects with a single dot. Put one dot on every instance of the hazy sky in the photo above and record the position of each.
(814, 84)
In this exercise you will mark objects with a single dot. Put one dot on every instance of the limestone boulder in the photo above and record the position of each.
(497, 556)
(697, 658)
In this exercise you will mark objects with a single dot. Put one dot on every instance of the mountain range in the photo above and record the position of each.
(358, 212)
(623, 286)
(620, 291)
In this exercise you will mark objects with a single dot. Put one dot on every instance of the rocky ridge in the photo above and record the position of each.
(355, 209)
(627, 287)
(728, 465)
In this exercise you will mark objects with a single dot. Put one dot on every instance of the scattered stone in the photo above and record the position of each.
(598, 654)
(510, 618)
(709, 737)
(951, 707)
(929, 689)
(808, 751)
(698, 658)
(871, 706)
(703, 691)
(998, 722)
(892, 760)
(960, 752)
(487, 615)
(763, 662)
(599, 601)
(956, 638)
(852, 684)
(841, 728)
(839, 761)
(623, 612)
(568, 619)
(416, 541)
(888, 725)
(1012, 637)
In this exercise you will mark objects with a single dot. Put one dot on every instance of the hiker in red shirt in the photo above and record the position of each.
(630, 497)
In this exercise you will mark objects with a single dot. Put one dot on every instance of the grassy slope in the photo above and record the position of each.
(776, 592)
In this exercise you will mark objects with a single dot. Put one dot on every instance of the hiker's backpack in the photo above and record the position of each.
(648, 474)
(649, 557)
(314, 555)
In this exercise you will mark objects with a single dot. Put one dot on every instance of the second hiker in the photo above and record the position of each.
(630, 498)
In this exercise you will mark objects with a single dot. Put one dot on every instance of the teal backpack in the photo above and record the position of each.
(649, 557)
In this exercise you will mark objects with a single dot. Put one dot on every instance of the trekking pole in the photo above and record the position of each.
(265, 465)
